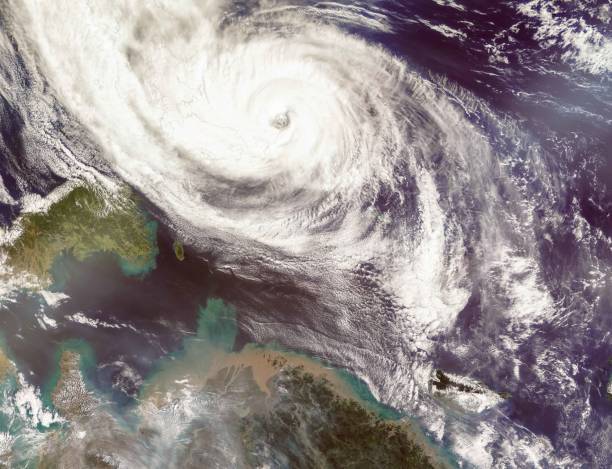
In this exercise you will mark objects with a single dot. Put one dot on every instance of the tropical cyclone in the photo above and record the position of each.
(372, 163)
(297, 150)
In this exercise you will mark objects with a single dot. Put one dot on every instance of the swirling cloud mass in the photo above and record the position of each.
(291, 147)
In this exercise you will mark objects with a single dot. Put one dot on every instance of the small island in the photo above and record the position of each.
(179, 250)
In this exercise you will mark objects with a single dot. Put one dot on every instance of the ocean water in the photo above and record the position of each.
(391, 187)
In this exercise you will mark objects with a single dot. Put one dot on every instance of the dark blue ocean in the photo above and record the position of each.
(539, 68)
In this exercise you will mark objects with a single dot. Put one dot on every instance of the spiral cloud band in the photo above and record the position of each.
(287, 135)
(293, 144)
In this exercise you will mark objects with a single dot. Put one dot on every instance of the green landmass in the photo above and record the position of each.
(73, 355)
(83, 223)
(179, 250)
(70, 396)
(301, 419)
(6, 367)
(309, 425)
(443, 382)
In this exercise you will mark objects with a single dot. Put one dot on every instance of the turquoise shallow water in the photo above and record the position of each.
(108, 290)
(216, 327)
(87, 365)
(217, 324)
(60, 275)
(215, 337)
(136, 270)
